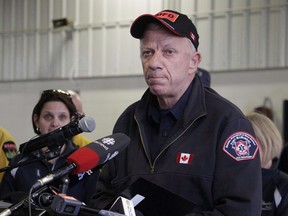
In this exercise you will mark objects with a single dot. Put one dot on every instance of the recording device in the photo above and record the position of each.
(59, 136)
(63, 204)
(88, 157)
(123, 205)
(67, 205)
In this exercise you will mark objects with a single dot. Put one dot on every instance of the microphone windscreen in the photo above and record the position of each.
(87, 124)
(98, 152)
(84, 159)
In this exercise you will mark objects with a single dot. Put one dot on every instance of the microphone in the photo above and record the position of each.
(58, 137)
(66, 205)
(88, 157)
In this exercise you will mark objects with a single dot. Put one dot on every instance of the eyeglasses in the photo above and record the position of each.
(55, 91)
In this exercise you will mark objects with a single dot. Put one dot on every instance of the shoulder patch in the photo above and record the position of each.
(241, 146)
(9, 149)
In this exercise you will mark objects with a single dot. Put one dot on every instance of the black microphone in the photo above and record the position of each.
(58, 136)
(88, 157)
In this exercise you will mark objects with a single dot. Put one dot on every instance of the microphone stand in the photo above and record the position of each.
(62, 204)
(65, 205)
(64, 187)
(27, 160)
(53, 153)
(19, 204)
(10, 167)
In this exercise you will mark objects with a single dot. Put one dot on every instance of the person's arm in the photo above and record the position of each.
(8, 191)
(237, 187)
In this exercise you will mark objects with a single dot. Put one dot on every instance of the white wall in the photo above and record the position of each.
(234, 35)
(237, 39)
(105, 98)
(248, 89)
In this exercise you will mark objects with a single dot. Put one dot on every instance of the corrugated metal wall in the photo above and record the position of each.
(234, 35)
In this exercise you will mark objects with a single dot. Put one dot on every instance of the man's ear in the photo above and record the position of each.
(196, 59)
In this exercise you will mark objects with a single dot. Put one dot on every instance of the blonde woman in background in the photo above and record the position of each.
(274, 181)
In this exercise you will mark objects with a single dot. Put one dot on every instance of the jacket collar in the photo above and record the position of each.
(195, 107)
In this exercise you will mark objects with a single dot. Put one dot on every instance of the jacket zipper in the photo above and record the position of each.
(152, 165)
(141, 137)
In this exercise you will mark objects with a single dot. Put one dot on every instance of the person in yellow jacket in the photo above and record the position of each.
(80, 140)
(8, 149)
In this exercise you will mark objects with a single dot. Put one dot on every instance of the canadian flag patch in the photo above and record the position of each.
(184, 158)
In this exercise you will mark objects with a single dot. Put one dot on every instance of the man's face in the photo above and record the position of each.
(168, 63)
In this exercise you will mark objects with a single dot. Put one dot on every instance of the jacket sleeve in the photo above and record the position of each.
(237, 184)
(104, 194)
(7, 188)
(237, 187)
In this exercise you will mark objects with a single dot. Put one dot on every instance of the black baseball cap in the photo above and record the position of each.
(174, 21)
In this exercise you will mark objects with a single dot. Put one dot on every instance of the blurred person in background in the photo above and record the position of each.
(79, 140)
(8, 149)
(274, 182)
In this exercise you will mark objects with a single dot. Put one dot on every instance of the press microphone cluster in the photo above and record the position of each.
(59, 136)
(88, 157)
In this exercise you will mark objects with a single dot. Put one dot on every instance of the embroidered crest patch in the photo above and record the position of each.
(241, 146)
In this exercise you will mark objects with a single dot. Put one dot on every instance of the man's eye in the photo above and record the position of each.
(146, 53)
(170, 52)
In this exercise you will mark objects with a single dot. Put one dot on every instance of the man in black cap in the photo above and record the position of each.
(185, 138)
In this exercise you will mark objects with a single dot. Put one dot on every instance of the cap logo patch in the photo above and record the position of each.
(184, 158)
(167, 15)
(192, 36)
(241, 146)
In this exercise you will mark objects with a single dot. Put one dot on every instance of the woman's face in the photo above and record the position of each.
(54, 114)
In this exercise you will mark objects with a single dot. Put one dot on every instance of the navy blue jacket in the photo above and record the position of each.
(210, 157)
